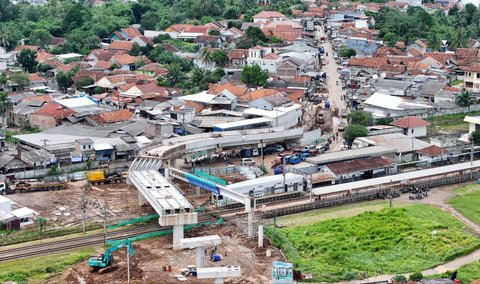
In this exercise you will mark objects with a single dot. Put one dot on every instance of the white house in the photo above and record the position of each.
(381, 105)
(432, 153)
(269, 16)
(263, 57)
(412, 126)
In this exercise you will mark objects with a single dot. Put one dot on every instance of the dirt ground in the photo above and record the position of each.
(150, 256)
(63, 207)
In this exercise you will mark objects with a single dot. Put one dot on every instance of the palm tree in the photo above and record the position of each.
(459, 39)
(41, 222)
(206, 56)
(464, 98)
(197, 74)
(5, 107)
(5, 38)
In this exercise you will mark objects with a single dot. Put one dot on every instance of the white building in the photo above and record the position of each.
(263, 57)
(412, 126)
(381, 105)
(285, 117)
(269, 16)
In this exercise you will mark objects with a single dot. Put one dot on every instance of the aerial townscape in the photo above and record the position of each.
(240, 141)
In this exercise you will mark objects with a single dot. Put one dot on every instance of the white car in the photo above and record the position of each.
(247, 162)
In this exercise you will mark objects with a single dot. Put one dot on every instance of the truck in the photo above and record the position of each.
(31, 186)
(105, 177)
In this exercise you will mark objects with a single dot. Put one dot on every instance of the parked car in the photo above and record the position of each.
(255, 152)
(313, 152)
(246, 153)
(247, 162)
(293, 160)
(269, 150)
(279, 148)
(277, 161)
(320, 149)
(341, 126)
(278, 170)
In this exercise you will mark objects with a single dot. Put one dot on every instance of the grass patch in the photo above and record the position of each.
(391, 241)
(467, 202)
(456, 82)
(466, 274)
(21, 236)
(314, 216)
(450, 119)
(41, 267)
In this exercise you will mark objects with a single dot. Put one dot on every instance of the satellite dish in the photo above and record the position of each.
(374, 76)
(383, 75)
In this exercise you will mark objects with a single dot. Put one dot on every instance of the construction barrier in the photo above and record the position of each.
(210, 177)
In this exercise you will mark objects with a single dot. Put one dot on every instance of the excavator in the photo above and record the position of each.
(105, 260)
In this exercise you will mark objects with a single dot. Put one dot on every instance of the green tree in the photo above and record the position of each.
(254, 76)
(21, 79)
(175, 74)
(243, 43)
(214, 33)
(220, 57)
(64, 80)
(206, 56)
(417, 276)
(27, 58)
(347, 52)
(85, 81)
(361, 117)
(3, 80)
(475, 135)
(42, 67)
(136, 50)
(464, 98)
(256, 34)
(41, 223)
(433, 41)
(399, 278)
(274, 39)
(353, 131)
(197, 74)
(6, 106)
(232, 12)
(40, 37)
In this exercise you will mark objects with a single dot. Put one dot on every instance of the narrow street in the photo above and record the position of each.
(335, 91)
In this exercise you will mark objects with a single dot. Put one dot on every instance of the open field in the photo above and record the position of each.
(467, 202)
(35, 269)
(310, 217)
(390, 241)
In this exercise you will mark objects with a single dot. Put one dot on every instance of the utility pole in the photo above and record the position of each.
(471, 160)
(128, 266)
(104, 217)
(284, 172)
(83, 208)
(45, 152)
(261, 153)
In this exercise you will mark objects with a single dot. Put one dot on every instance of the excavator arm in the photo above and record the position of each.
(105, 260)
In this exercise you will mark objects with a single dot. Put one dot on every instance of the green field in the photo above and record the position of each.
(33, 269)
(467, 202)
(390, 241)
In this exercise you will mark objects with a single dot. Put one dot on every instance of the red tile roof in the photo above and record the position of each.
(94, 75)
(400, 44)
(259, 93)
(179, 27)
(41, 98)
(269, 14)
(111, 116)
(370, 62)
(31, 47)
(475, 67)
(358, 165)
(131, 32)
(42, 56)
(238, 91)
(433, 151)
(55, 110)
(196, 29)
(103, 65)
(410, 122)
(121, 45)
(197, 106)
(123, 59)
(237, 53)
(104, 54)
(34, 77)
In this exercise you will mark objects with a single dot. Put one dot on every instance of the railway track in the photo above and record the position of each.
(84, 241)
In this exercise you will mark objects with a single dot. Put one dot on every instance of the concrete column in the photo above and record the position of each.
(250, 224)
(218, 280)
(173, 163)
(177, 236)
(166, 173)
(197, 191)
(141, 200)
(200, 257)
(260, 236)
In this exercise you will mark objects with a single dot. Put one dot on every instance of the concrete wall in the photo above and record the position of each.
(42, 121)
(310, 137)
(417, 131)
